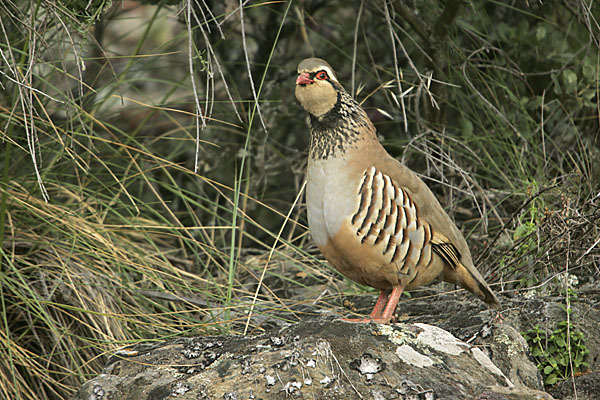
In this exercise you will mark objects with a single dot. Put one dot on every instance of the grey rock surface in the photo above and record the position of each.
(315, 359)
(582, 387)
(448, 347)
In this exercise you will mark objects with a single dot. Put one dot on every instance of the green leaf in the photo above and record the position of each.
(466, 128)
(540, 32)
(589, 69)
(569, 80)
(560, 341)
(551, 379)
(548, 369)
(534, 103)
(536, 352)
(557, 88)
(523, 230)
(563, 360)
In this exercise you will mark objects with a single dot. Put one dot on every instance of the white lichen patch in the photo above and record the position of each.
(270, 380)
(412, 357)
(514, 345)
(395, 336)
(440, 340)
(368, 365)
(485, 362)
(292, 388)
(179, 388)
(326, 381)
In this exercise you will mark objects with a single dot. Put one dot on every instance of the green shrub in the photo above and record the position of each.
(559, 353)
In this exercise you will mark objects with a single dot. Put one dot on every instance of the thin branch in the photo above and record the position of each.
(355, 46)
(199, 115)
(389, 22)
(248, 67)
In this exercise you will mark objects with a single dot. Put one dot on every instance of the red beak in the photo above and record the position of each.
(303, 79)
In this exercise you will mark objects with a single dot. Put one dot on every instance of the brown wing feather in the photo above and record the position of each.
(445, 249)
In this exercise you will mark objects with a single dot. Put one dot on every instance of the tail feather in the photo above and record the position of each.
(466, 277)
(463, 277)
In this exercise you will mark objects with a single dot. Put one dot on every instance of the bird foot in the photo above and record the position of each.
(498, 318)
(366, 320)
(383, 312)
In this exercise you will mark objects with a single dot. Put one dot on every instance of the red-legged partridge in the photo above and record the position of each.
(373, 218)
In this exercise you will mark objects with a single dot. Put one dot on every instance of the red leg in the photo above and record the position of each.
(390, 308)
(380, 314)
(381, 301)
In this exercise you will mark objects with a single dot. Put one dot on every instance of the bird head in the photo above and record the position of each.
(316, 86)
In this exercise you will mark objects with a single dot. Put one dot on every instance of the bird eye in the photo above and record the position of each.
(321, 75)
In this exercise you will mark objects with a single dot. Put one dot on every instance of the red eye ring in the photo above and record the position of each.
(322, 75)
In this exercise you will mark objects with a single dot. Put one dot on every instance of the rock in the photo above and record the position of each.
(588, 387)
(510, 352)
(447, 347)
(322, 359)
